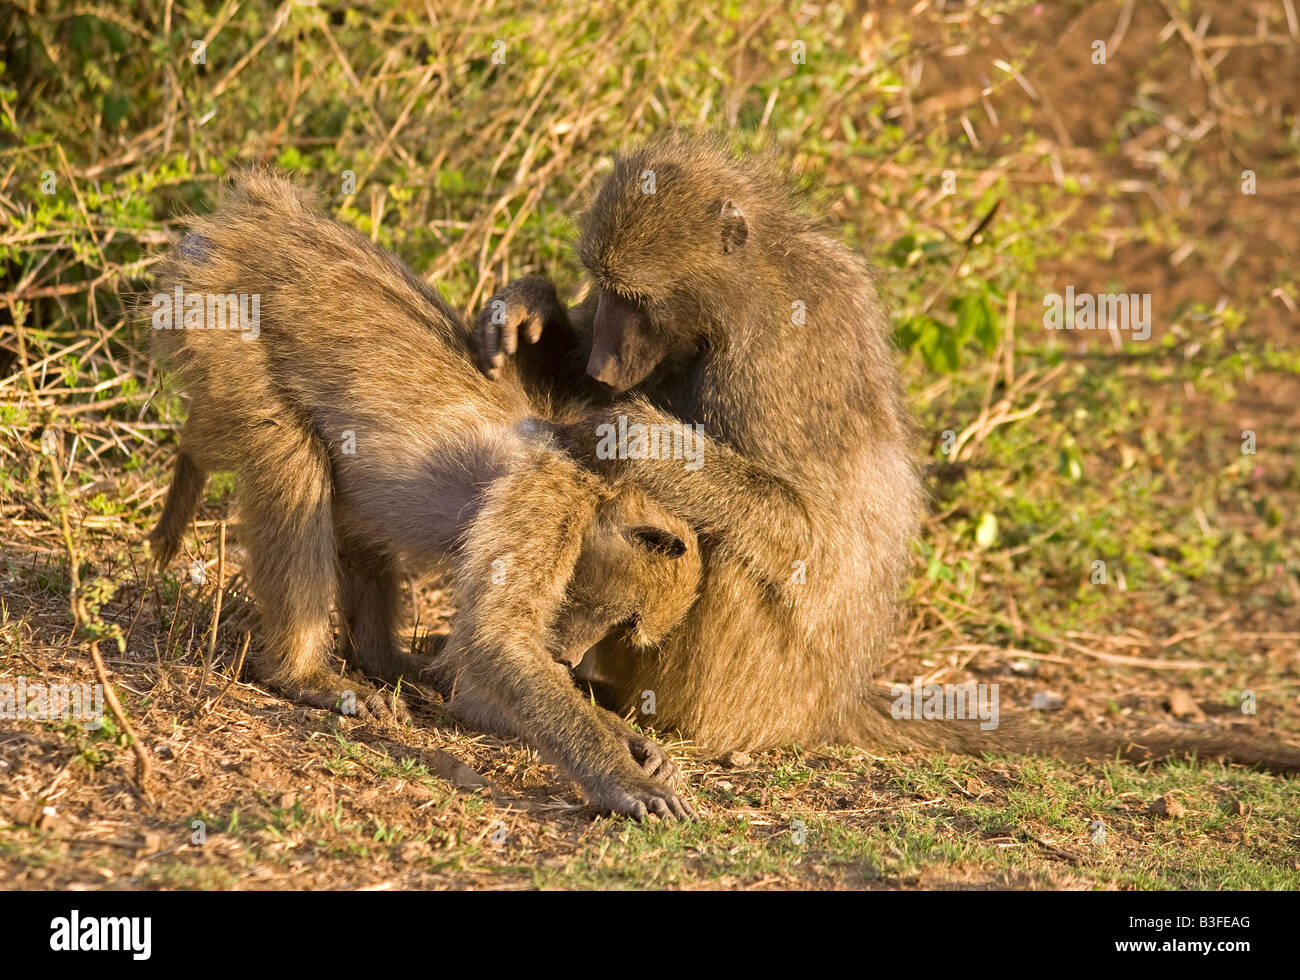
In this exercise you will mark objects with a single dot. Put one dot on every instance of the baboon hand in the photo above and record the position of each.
(652, 759)
(645, 751)
(631, 793)
(520, 309)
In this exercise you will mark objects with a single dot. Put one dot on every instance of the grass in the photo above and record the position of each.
(1047, 452)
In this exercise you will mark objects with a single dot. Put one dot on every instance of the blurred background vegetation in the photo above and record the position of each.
(978, 153)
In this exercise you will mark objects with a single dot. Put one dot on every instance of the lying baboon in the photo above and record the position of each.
(716, 301)
(346, 400)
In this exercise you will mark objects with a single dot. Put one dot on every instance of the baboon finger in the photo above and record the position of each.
(397, 706)
(509, 335)
(648, 754)
(661, 768)
(533, 329)
(655, 767)
(487, 341)
(364, 715)
(378, 711)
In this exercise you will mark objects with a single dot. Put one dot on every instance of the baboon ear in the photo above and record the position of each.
(658, 540)
(735, 229)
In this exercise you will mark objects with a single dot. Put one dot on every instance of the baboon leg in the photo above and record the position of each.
(370, 612)
(518, 557)
(287, 526)
(183, 498)
(286, 520)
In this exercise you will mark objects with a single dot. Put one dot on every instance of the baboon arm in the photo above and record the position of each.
(754, 514)
(518, 556)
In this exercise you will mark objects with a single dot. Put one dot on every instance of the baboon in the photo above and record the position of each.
(362, 435)
(638, 567)
(715, 300)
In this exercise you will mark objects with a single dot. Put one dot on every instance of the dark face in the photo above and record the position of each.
(659, 212)
(625, 347)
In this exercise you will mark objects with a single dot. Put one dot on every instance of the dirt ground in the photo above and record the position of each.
(244, 790)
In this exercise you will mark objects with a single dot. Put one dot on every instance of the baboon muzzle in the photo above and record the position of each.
(623, 349)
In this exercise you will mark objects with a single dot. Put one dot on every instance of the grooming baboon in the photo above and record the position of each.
(715, 300)
(362, 435)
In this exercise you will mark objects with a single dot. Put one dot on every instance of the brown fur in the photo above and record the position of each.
(354, 347)
(808, 458)
(638, 566)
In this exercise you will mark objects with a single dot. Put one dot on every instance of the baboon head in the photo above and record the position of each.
(638, 573)
(667, 242)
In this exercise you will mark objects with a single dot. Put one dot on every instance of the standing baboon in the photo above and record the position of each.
(362, 435)
(715, 301)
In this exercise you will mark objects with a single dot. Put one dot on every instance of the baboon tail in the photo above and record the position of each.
(181, 506)
(877, 726)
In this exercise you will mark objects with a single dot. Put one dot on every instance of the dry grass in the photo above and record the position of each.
(1081, 449)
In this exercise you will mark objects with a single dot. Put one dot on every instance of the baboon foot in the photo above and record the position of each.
(351, 700)
(631, 793)
(163, 546)
(407, 672)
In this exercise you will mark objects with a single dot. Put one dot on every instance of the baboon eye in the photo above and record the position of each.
(660, 541)
(631, 298)
(620, 292)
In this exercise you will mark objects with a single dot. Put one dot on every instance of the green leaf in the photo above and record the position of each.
(937, 571)
(1071, 463)
(116, 108)
(291, 159)
(916, 331)
(940, 347)
(80, 32)
(901, 249)
(976, 319)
